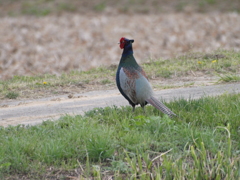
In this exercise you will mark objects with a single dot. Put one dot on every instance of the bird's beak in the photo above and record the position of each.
(132, 40)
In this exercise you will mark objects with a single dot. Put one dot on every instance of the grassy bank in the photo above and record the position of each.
(224, 65)
(114, 142)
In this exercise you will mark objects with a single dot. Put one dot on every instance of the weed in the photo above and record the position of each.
(105, 81)
(67, 7)
(34, 10)
(12, 95)
(100, 7)
(229, 78)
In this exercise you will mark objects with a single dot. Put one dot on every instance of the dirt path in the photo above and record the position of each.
(35, 111)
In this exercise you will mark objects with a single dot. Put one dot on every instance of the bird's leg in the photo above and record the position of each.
(143, 108)
(133, 108)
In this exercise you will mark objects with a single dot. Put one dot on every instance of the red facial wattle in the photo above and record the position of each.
(122, 42)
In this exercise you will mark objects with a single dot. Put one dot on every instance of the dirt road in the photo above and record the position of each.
(35, 111)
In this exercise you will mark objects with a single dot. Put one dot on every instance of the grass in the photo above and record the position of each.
(222, 64)
(229, 78)
(12, 95)
(219, 62)
(46, 7)
(52, 84)
(114, 142)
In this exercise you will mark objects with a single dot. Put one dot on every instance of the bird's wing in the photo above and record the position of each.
(135, 85)
(127, 83)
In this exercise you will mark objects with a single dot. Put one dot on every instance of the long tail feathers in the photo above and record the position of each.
(160, 106)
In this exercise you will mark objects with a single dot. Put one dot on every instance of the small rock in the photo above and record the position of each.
(70, 96)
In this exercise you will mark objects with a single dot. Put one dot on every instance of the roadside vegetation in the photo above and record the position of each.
(221, 64)
(203, 143)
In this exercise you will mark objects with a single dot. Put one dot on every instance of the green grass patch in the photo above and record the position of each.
(34, 8)
(114, 142)
(229, 78)
(68, 7)
(100, 7)
(12, 95)
(219, 62)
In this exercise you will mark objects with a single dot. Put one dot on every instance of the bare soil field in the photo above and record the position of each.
(54, 44)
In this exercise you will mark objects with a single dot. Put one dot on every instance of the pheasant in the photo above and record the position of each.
(132, 81)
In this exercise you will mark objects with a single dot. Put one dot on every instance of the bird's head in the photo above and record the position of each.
(124, 42)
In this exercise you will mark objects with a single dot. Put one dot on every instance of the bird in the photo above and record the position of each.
(133, 83)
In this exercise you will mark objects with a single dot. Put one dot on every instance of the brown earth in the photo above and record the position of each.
(55, 44)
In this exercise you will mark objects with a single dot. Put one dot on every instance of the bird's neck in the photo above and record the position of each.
(128, 50)
(128, 59)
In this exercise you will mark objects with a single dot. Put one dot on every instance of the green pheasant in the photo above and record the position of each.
(133, 83)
